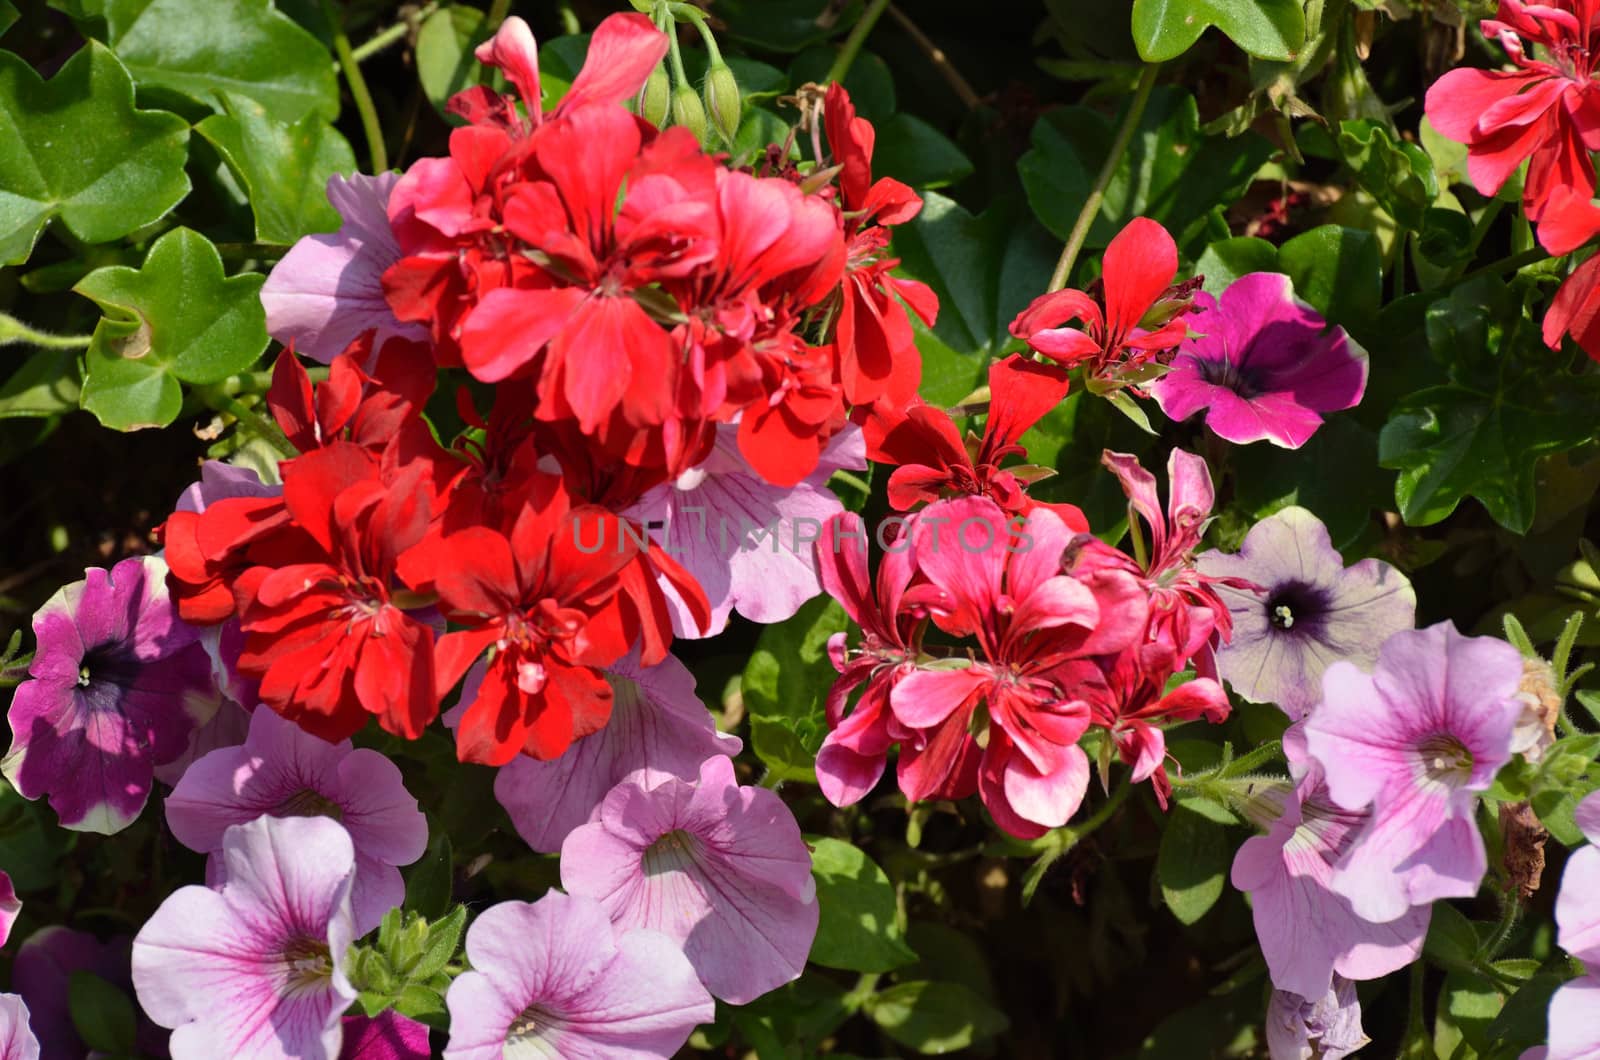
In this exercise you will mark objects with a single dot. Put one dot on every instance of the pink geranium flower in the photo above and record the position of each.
(1415, 741)
(747, 542)
(1574, 1031)
(555, 978)
(658, 725)
(283, 771)
(16, 1039)
(328, 290)
(117, 686)
(1547, 110)
(718, 868)
(1264, 365)
(255, 970)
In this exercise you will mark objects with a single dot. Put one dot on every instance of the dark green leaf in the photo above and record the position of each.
(445, 63)
(1452, 942)
(102, 1014)
(1192, 864)
(77, 149)
(935, 1018)
(1339, 272)
(1267, 29)
(1335, 475)
(786, 25)
(430, 885)
(914, 152)
(8, 15)
(1467, 1005)
(201, 48)
(786, 684)
(796, 1016)
(859, 929)
(176, 318)
(1228, 259)
(1397, 173)
(286, 167)
(1522, 1022)
(46, 385)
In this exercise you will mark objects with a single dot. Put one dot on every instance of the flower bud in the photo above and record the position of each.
(687, 111)
(722, 100)
(655, 98)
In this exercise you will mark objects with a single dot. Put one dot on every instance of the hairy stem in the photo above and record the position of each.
(358, 91)
(392, 34)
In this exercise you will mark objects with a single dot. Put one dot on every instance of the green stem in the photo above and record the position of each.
(218, 398)
(1103, 814)
(1509, 263)
(1510, 908)
(852, 44)
(260, 382)
(497, 13)
(569, 18)
(1267, 752)
(854, 481)
(358, 91)
(1097, 193)
(392, 34)
(14, 330)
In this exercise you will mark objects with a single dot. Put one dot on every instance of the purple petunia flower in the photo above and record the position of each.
(329, 288)
(1574, 1030)
(657, 725)
(119, 683)
(1309, 935)
(386, 1036)
(747, 542)
(1311, 610)
(1327, 1028)
(43, 973)
(256, 969)
(1264, 364)
(16, 1039)
(555, 978)
(284, 771)
(1415, 741)
(720, 869)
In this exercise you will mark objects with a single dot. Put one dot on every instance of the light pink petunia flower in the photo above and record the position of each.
(1415, 741)
(1325, 1028)
(1574, 1028)
(1264, 365)
(16, 1039)
(720, 869)
(657, 725)
(748, 543)
(256, 970)
(284, 771)
(555, 978)
(329, 288)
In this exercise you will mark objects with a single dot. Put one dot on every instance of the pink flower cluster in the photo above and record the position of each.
(1060, 632)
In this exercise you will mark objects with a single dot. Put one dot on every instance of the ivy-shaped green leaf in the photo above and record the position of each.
(445, 41)
(286, 167)
(202, 48)
(76, 148)
(176, 318)
(1267, 29)
(786, 685)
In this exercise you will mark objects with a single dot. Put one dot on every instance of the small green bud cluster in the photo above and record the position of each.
(670, 98)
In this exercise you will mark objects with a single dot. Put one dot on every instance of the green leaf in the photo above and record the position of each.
(1397, 173)
(46, 385)
(912, 151)
(1467, 1005)
(795, 1017)
(445, 63)
(1171, 171)
(1228, 259)
(786, 684)
(8, 15)
(76, 148)
(1452, 941)
(101, 1014)
(201, 49)
(859, 928)
(286, 167)
(431, 882)
(1339, 273)
(1192, 863)
(934, 1017)
(1335, 475)
(1267, 29)
(444, 938)
(786, 25)
(175, 318)
(1522, 1022)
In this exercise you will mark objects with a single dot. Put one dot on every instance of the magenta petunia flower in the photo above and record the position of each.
(555, 978)
(1311, 609)
(386, 1036)
(748, 543)
(1309, 935)
(718, 868)
(16, 1038)
(1415, 741)
(118, 684)
(329, 288)
(658, 725)
(1327, 1028)
(9, 907)
(1574, 1030)
(256, 969)
(284, 771)
(1264, 364)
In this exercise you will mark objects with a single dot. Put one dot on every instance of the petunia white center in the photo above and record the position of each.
(527, 1036)
(674, 851)
(1444, 758)
(309, 803)
(308, 964)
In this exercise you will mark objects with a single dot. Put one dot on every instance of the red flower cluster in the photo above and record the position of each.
(627, 293)
(1061, 632)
